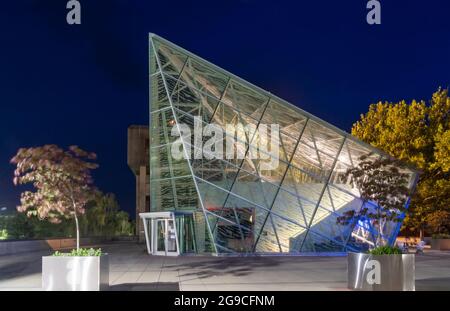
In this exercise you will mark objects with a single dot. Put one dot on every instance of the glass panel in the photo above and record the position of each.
(323, 139)
(158, 99)
(149, 233)
(171, 236)
(162, 195)
(250, 216)
(227, 214)
(268, 168)
(213, 198)
(180, 168)
(191, 101)
(349, 157)
(291, 122)
(187, 123)
(389, 230)
(159, 162)
(215, 171)
(152, 58)
(185, 229)
(268, 240)
(245, 99)
(163, 165)
(234, 148)
(203, 78)
(171, 60)
(353, 151)
(299, 210)
(227, 116)
(274, 144)
(214, 203)
(336, 177)
(308, 244)
(339, 201)
(325, 223)
(239, 130)
(312, 161)
(203, 241)
(286, 147)
(289, 235)
(160, 235)
(162, 123)
(363, 235)
(254, 189)
(186, 193)
(228, 236)
(303, 185)
(319, 243)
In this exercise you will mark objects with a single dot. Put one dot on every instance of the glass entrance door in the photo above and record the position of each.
(165, 237)
(185, 230)
(171, 236)
(160, 237)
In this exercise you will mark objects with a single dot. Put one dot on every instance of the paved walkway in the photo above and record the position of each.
(131, 268)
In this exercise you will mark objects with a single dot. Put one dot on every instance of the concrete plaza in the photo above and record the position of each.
(131, 268)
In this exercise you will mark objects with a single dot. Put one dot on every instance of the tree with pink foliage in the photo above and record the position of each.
(62, 181)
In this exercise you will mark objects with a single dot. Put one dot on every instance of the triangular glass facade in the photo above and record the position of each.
(238, 205)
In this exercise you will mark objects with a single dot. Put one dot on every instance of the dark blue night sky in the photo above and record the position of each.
(85, 84)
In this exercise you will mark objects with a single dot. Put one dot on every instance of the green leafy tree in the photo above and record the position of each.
(61, 179)
(104, 217)
(419, 133)
(379, 181)
(19, 226)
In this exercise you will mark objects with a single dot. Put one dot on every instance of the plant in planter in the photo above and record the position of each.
(63, 186)
(80, 269)
(81, 252)
(381, 182)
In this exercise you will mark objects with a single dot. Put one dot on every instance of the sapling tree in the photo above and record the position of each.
(61, 179)
(380, 181)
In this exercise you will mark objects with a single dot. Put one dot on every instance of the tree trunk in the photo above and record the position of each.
(421, 234)
(78, 231)
(380, 233)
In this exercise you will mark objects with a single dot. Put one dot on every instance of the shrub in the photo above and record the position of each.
(441, 236)
(80, 252)
(386, 250)
(3, 234)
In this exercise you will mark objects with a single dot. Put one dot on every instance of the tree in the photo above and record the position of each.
(439, 221)
(62, 181)
(381, 182)
(19, 226)
(418, 133)
(104, 218)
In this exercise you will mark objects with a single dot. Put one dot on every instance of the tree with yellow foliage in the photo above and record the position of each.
(419, 133)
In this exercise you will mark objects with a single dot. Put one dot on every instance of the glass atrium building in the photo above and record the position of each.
(236, 204)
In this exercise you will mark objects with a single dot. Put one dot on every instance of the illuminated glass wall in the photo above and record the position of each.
(237, 205)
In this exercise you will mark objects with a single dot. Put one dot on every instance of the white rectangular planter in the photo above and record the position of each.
(381, 272)
(77, 273)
